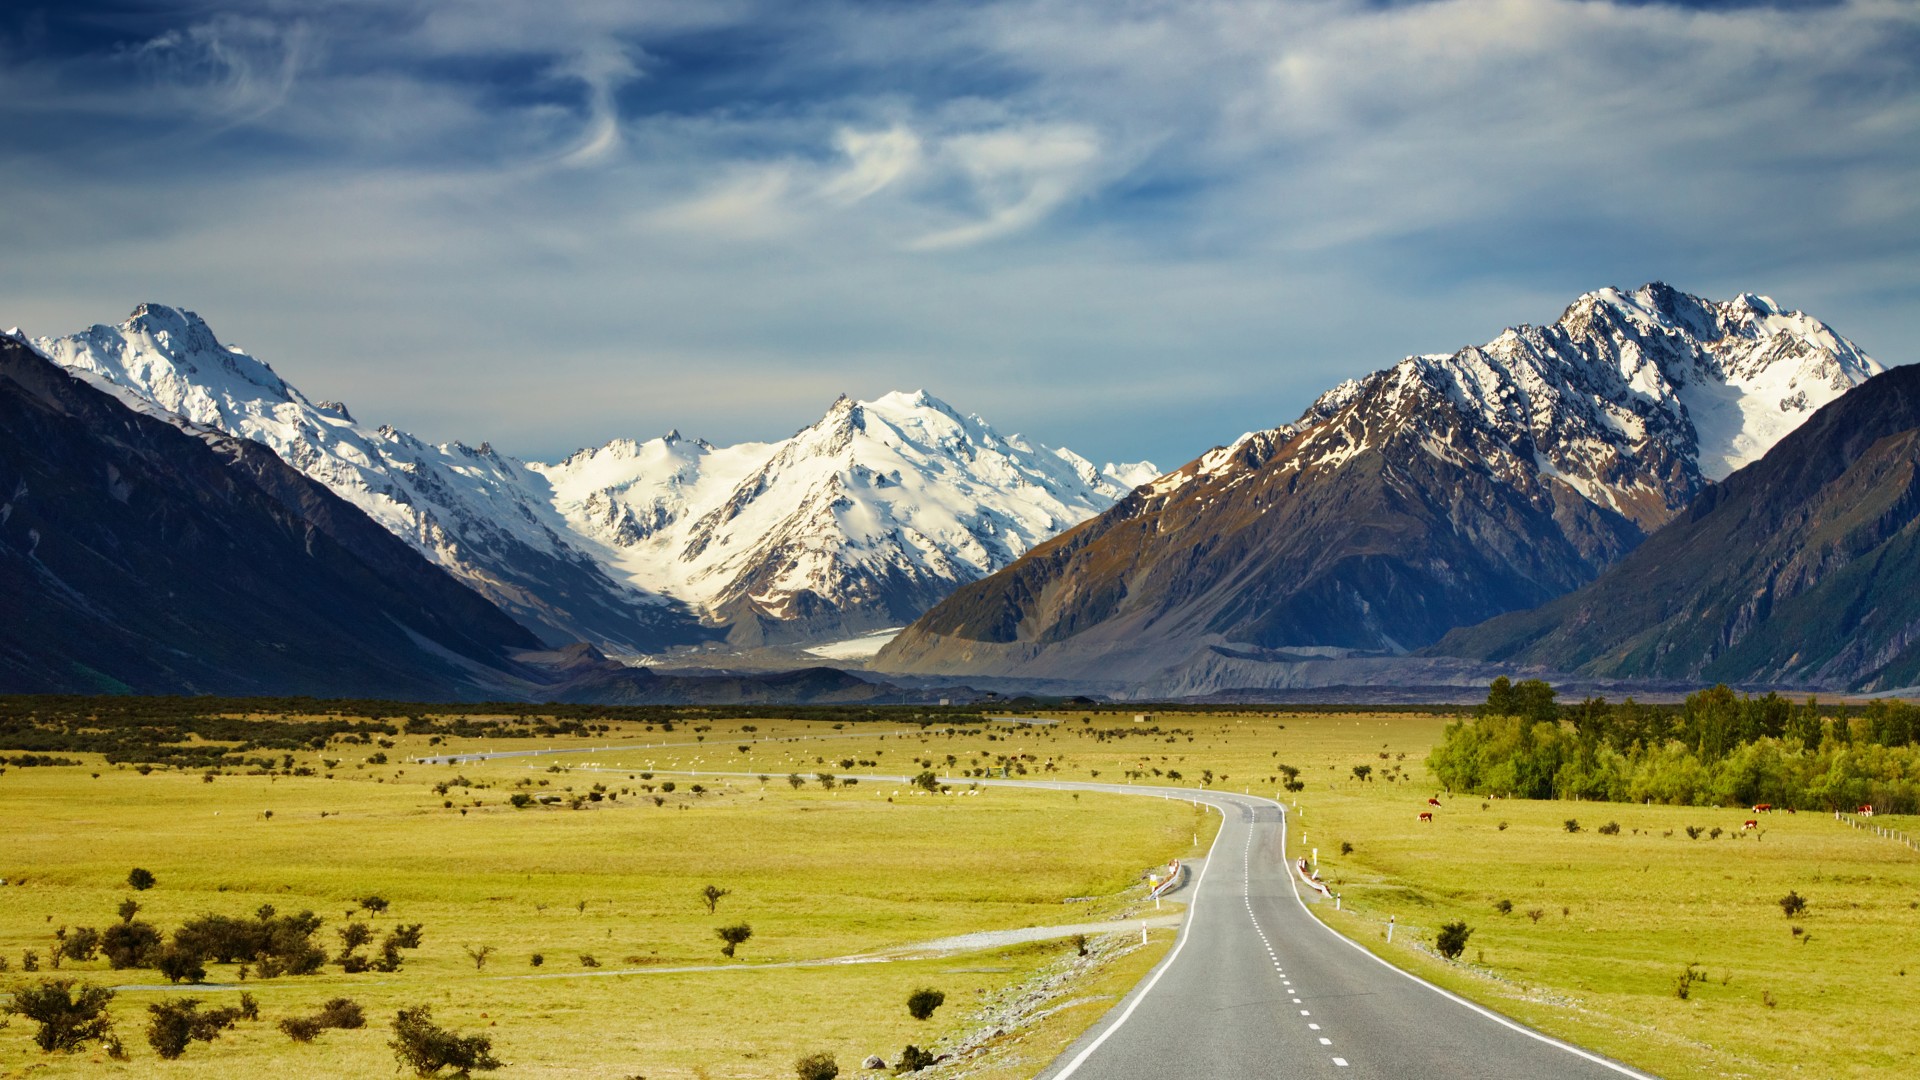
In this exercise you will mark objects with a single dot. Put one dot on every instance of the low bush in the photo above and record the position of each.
(921, 1003)
(421, 1045)
(1452, 940)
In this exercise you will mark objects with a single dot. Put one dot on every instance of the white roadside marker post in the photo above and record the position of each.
(1390, 919)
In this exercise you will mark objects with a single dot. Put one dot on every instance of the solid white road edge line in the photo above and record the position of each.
(1186, 931)
(1442, 991)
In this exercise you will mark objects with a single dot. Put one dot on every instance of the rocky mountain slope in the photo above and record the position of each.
(861, 521)
(481, 515)
(1433, 494)
(1801, 569)
(136, 556)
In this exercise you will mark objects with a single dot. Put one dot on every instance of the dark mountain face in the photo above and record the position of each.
(1801, 569)
(1431, 495)
(136, 556)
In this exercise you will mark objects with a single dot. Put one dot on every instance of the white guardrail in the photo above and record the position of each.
(1176, 873)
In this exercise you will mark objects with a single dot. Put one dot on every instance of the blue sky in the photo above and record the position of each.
(1130, 227)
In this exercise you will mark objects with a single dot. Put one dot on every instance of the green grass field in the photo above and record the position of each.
(857, 870)
(817, 874)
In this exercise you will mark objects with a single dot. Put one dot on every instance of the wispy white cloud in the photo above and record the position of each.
(1231, 203)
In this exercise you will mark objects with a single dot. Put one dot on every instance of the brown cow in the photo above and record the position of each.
(1763, 808)
(1433, 802)
(1867, 810)
(1426, 815)
(1751, 824)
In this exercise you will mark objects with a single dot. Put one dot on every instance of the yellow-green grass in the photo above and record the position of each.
(817, 874)
(1640, 907)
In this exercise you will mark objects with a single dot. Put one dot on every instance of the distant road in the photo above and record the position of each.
(1256, 987)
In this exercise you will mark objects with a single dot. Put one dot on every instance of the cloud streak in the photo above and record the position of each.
(1137, 228)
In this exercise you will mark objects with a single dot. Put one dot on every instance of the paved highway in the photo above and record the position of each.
(1257, 987)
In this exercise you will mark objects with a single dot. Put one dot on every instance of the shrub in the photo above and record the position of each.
(913, 1059)
(734, 936)
(819, 1066)
(478, 954)
(1694, 831)
(373, 905)
(536, 959)
(1346, 848)
(711, 895)
(341, 1013)
(129, 944)
(667, 786)
(141, 880)
(1611, 828)
(426, 1048)
(176, 1023)
(520, 800)
(1793, 904)
(1573, 825)
(1683, 986)
(179, 964)
(67, 1019)
(1504, 907)
(921, 1003)
(796, 781)
(81, 943)
(1452, 940)
(588, 960)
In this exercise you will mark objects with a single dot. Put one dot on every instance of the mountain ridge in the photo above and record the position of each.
(577, 568)
(1440, 491)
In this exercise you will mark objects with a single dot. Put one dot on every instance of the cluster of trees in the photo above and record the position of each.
(1717, 748)
(269, 944)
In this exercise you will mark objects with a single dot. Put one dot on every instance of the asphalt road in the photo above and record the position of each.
(1257, 988)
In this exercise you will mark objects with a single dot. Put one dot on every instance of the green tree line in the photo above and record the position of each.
(1718, 748)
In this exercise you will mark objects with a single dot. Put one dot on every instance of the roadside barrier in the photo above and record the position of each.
(1176, 873)
(1313, 882)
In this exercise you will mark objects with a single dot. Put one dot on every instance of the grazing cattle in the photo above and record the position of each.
(1426, 815)
(1433, 802)
(1866, 811)
(1751, 824)
(1763, 808)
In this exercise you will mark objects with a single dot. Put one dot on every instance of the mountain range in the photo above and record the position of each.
(1434, 494)
(859, 522)
(1802, 569)
(1654, 486)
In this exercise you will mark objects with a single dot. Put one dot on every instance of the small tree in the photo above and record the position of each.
(67, 1020)
(1453, 939)
(734, 936)
(1361, 772)
(819, 1066)
(921, 1003)
(1793, 904)
(796, 781)
(141, 880)
(426, 1048)
(712, 894)
(479, 954)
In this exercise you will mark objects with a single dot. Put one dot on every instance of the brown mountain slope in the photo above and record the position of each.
(1802, 569)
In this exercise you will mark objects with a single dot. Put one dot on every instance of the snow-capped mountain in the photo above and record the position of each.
(861, 521)
(1432, 494)
(483, 516)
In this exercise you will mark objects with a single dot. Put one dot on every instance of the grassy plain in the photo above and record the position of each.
(822, 874)
(818, 874)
